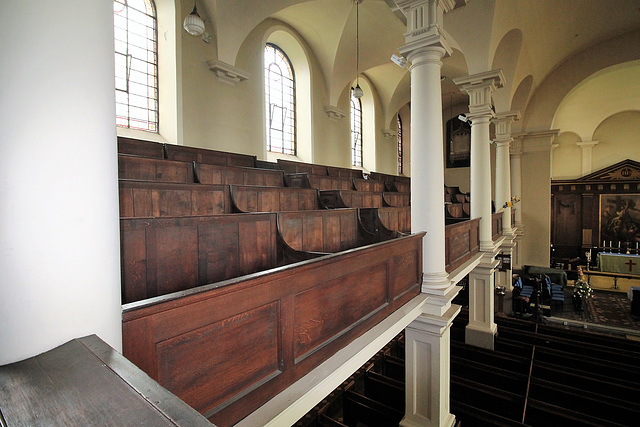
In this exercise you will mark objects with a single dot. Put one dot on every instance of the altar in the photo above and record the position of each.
(619, 263)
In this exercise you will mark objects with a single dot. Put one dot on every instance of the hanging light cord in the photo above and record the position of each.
(357, 44)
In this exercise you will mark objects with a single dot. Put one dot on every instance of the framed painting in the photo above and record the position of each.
(620, 219)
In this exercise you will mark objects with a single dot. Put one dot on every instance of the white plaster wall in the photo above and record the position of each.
(59, 231)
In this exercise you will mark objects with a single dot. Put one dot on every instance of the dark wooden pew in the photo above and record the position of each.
(251, 198)
(368, 185)
(330, 182)
(235, 175)
(491, 375)
(546, 414)
(491, 399)
(391, 218)
(396, 199)
(454, 211)
(212, 157)
(401, 184)
(344, 172)
(332, 199)
(462, 241)
(150, 169)
(86, 382)
(299, 167)
(277, 324)
(470, 415)
(162, 255)
(140, 199)
(360, 409)
(138, 147)
(310, 234)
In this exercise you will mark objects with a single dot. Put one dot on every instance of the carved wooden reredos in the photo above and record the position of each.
(599, 209)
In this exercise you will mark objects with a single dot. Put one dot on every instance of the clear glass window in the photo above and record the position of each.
(280, 101)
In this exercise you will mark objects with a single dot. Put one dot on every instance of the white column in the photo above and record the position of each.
(428, 342)
(502, 192)
(481, 328)
(516, 191)
(480, 87)
(59, 231)
(587, 155)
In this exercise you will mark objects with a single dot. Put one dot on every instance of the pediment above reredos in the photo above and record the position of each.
(626, 170)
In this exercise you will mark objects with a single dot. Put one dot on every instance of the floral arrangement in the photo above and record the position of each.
(581, 287)
(510, 203)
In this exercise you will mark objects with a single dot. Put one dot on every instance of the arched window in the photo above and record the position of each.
(136, 57)
(399, 145)
(280, 101)
(356, 131)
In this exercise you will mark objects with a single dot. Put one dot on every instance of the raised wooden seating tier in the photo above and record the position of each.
(141, 199)
(251, 198)
(277, 325)
(138, 147)
(234, 175)
(158, 170)
(211, 157)
(332, 199)
(396, 199)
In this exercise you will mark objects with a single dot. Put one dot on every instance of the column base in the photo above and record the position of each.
(481, 336)
(448, 421)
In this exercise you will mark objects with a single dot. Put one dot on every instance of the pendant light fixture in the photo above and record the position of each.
(193, 23)
(357, 91)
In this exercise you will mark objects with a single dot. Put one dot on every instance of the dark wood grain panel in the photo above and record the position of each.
(138, 147)
(330, 183)
(396, 199)
(235, 175)
(406, 272)
(203, 379)
(183, 317)
(300, 167)
(396, 218)
(148, 169)
(323, 311)
(164, 255)
(345, 172)
(248, 198)
(368, 185)
(212, 157)
(462, 241)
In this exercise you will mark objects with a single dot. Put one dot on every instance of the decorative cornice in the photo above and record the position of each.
(424, 24)
(587, 144)
(334, 113)
(480, 87)
(227, 73)
(537, 141)
(389, 133)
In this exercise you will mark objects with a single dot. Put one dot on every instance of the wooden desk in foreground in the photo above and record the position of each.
(85, 382)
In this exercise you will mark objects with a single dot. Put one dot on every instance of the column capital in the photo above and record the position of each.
(537, 141)
(587, 144)
(480, 87)
(502, 122)
(424, 24)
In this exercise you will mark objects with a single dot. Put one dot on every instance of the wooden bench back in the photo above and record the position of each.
(297, 167)
(396, 199)
(211, 157)
(163, 255)
(151, 169)
(325, 231)
(396, 218)
(273, 199)
(234, 175)
(369, 185)
(332, 199)
(330, 182)
(139, 199)
(344, 172)
(137, 147)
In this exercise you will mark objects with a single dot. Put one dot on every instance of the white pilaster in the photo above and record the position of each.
(428, 338)
(516, 191)
(587, 155)
(482, 328)
(428, 361)
(59, 232)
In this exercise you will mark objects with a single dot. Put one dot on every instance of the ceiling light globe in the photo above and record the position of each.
(193, 23)
(357, 92)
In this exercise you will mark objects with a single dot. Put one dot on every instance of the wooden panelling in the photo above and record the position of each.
(325, 231)
(273, 199)
(148, 169)
(299, 167)
(322, 311)
(213, 174)
(137, 147)
(155, 200)
(332, 199)
(462, 241)
(211, 157)
(161, 256)
(496, 225)
(345, 172)
(396, 199)
(195, 342)
(330, 182)
(396, 218)
(368, 185)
